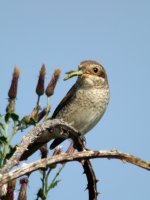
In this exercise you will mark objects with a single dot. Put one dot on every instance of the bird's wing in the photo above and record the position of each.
(65, 100)
(56, 142)
(33, 147)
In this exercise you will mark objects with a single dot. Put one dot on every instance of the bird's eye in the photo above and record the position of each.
(95, 69)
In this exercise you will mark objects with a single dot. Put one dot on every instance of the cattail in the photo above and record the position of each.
(12, 93)
(40, 84)
(10, 189)
(11, 106)
(51, 86)
(23, 189)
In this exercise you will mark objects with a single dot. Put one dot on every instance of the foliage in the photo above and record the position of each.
(11, 124)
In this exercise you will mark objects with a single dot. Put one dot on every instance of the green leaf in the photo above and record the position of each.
(40, 194)
(33, 121)
(3, 140)
(1, 117)
(11, 151)
(14, 116)
(7, 116)
(1, 155)
(2, 125)
(53, 185)
(1, 159)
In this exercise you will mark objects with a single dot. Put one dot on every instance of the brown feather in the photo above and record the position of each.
(64, 101)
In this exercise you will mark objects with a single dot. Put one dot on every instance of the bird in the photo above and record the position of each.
(84, 104)
(86, 101)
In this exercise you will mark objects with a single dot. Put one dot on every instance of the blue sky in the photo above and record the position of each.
(64, 33)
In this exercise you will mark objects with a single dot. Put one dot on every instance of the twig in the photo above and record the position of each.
(91, 179)
(66, 157)
(88, 169)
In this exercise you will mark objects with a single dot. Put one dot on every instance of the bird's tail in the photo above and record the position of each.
(32, 148)
(56, 142)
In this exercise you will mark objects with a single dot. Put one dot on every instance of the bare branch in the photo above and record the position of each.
(88, 169)
(67, 157)
(33, 141)
(47, 131)
(91, 179)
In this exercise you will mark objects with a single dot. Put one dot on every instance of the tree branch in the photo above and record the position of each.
(66, 157)
(35, 138)
(46, 130)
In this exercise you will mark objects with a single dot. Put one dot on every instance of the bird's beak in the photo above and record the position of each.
(73, 73)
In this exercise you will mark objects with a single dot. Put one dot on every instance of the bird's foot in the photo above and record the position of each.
(82, 138)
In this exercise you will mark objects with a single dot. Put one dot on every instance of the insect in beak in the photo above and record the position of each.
(72, 74)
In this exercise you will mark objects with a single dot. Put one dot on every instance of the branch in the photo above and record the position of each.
(88, 169)
(46, 130)
(91, 179)
(66, 157)
(34, 140)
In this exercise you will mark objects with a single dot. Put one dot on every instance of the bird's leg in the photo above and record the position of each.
(71, 148)
(82, 141)
(82, 138)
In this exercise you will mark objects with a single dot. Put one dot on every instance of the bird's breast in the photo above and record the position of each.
(85, 108)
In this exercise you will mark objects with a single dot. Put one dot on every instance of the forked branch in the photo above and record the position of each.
(7, 174)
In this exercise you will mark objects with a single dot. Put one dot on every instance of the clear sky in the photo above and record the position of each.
(64, 33)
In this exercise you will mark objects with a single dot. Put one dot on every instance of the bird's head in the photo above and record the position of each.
(90, 73)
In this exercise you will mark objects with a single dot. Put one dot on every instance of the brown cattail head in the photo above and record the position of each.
(51, 86)
(23, 189)
(24, 181)
(40, 84)
(12, 93)
(10, 189)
